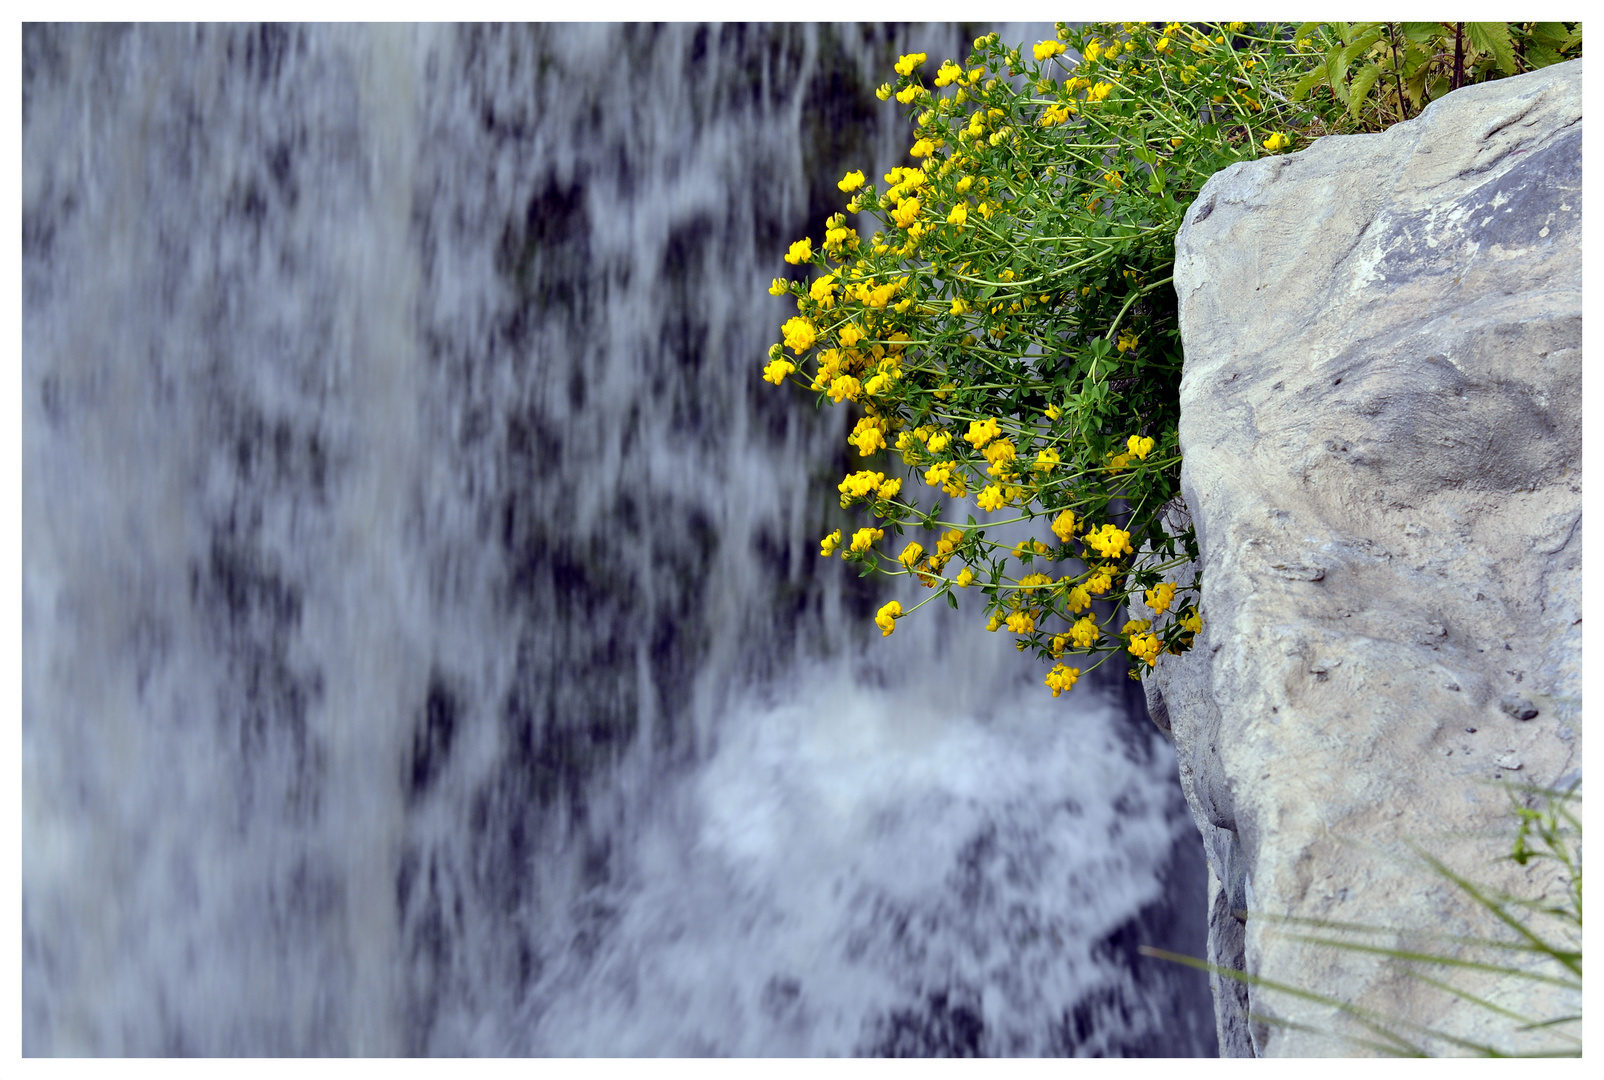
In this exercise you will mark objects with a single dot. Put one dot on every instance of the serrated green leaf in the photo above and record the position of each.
(1537, 56)
(1423, 32)
(1336, 77)
(1310, 80)
(1358, 47)
(1493, 37)
(1362, 82)
(1306, 29)
(1549, 33)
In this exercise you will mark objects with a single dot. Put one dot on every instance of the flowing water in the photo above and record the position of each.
(426, 649)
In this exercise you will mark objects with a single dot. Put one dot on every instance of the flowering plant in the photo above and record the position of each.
(1005, 326)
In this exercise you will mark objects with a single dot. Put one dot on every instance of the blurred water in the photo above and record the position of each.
(425, 644)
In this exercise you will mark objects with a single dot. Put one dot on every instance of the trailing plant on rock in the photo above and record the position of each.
(1005, 327)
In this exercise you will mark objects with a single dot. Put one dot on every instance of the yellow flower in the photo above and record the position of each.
(958, 216)
(905, 64)
(994, 622)
(889, 489)
(1140, 446)
(886, 620)
(1092, 51)
(922, 148)
(776, 371)
(1021, 622)
(990, 498)
(828, 544)
(864, 538)
(1160, 597)
(911, 553)
(1064, 526)
(868, 436)
(844, 387)
(856, 485)
(801, 251)
(909, 93)
(1047, 460)
(1046, 49)
(823, 290)
(1108, 541)
(1001, 455)
(1163, 45)
(852, 181)
(1135, 626)
(1099, 92)
(1078, 600)
(799, 334)
(1127, 341)
(1085, 633)
(964, 185)
(883, 91)
(959, 307)
(965, 578)
(983, 431)
(1144, 647)
(949, 73)
(1276, 142)
(1099, 582)
(779, 287)
(904, 214)
(1061, 678)
(1192, 621)
(1053, 412)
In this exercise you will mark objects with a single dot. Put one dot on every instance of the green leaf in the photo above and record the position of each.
(1422, 33)
(1305, 29)
(1362, 82)
(1310, 80)
(1493, 37)
(1551, 34)
(1358, 48)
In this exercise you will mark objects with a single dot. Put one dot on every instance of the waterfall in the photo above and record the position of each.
(425, 644)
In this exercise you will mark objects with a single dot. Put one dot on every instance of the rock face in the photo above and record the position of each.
(1381, 428)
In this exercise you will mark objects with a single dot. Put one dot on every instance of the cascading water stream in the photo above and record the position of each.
(426, 648)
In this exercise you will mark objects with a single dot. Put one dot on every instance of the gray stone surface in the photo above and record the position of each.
(1381, 425)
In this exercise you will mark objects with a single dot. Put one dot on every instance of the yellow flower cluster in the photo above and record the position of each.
(864, 538)
(1061, 678)
(885, 620)
(800, 334)
(1160, 596)
(863, 485)
(1144, 647)
(1108, 541)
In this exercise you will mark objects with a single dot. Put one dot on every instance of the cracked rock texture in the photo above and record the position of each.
(1381, 422)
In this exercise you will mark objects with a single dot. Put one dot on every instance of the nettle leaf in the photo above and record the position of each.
(1423, 32)
(1493, 37)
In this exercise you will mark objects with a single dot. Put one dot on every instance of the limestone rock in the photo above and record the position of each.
(1381, 423)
